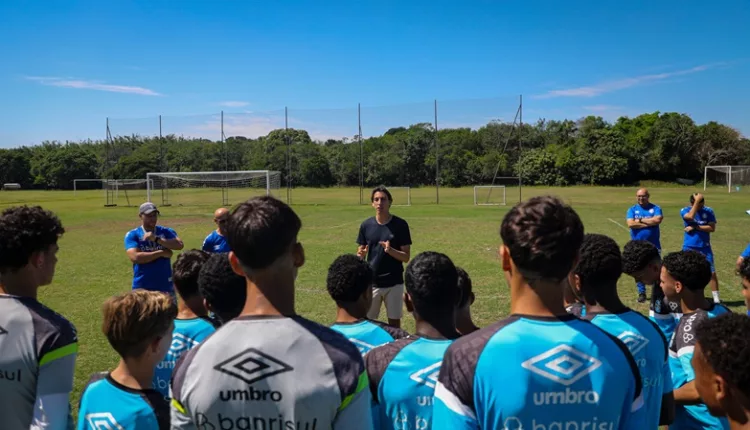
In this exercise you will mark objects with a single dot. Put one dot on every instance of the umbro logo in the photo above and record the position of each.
(363, 347)
(3, 331)
(633, 341)
(562, 364)
(252, 366)
(103, 421)
(427, 376)
(181, 344)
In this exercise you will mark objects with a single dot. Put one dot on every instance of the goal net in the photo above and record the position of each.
(211, 188)
(401, 196)
(730, 178)
(490, 195)
(128, 192)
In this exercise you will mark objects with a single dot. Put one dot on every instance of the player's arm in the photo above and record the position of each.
(355, 411)
(207, 245)
(655, 220)
(632, 222)
(667, 412)
(710, 227)
(687, 394)
(690, 215)
(54, 385)
(362, 247)
(137, 257)
(171, 240)
(403, 254)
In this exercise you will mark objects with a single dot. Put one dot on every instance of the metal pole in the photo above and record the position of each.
(288, 157)
(361, 155)
(437, 159)
(520, 167)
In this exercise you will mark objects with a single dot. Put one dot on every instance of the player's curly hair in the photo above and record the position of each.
(725, 343)
(185, 271)
(224, 290)
(637, 254)
(690, 268)
(348, 278)
(432, 283)
(745, 268)
(544, 236)
(25, 230)
(599, 266)
(464, 284)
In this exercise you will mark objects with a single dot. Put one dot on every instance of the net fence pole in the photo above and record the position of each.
(361, 154)
(437, 158)
(520, 149)
(729, 180)
(705, 177)
(288, 157)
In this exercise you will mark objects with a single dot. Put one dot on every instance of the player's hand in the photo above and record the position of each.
(698, 197)
(167, 253)
(150, 236)
(362, 252)
(689, 228)
(386, 246)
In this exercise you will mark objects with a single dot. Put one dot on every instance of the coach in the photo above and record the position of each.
(216, 242)
(149, 248)
(643, 220)
(386, 241)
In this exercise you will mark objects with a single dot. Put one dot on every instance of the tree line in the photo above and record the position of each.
(655, 146)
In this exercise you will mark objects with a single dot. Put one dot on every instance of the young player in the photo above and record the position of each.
(464, 323)
(745, 274)
(349, 284)
(700, 222)
(38, 347)
(403, 373)
(149, 247)
(192, 324)
(643, 220)
(269, 367)
(138, 325)
(596, 274)
(573, 304)
(722, 375)
(541, 368)
(215, 241)
(224, 292)
(684, 276)
(385, 240)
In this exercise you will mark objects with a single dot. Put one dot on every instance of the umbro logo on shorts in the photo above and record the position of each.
(252, 366)
(103, 421)
(562, 364)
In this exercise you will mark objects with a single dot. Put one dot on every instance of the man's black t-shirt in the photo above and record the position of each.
(388, 270)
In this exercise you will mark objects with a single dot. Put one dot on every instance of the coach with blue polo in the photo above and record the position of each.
(149, 247)
(643, 221)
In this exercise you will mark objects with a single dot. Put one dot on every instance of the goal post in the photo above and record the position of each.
(197, 188)
(732, 178)
(490, 195)
(401, 195)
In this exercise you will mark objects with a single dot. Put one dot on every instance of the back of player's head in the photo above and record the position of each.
(185, 272)
(745, 268)
(637, 254)
(348, 278)
(599, 266)
(690, 268)
(261, 230)
(133, 320)
(24, 231)
(464, 284)
(224, 290)
(381, 189)
(543, 236)
(725, 344)
(432, 284)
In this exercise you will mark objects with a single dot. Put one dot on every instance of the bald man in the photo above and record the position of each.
(216, 242)
(643, 221)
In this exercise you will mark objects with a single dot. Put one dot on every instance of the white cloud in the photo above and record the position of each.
(90, 85)
(234, 104)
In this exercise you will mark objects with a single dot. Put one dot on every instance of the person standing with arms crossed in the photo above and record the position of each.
(700, 222)
(643, 221)
(215, 241)
(385, 241)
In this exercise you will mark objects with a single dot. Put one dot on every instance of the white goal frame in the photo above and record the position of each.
(408, 195)
(117, 183)
(178, 175)
(727, 171)
(478, 203)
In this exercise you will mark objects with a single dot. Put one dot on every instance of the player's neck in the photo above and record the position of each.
(382, 217)
(17, 284)
(542, 300)
(691, 302)
(219, 232)
(145, 228)
(192, 308)
(739, 419)
(611, 304)
(269, 297)
(465, 325)
(343, 316)
(133, 374)
(444, 328)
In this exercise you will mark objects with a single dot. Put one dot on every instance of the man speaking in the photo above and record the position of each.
(643, 221)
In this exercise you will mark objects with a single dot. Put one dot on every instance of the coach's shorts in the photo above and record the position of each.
(394, 302)
(708, 252)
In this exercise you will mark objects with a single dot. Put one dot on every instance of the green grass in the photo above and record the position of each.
(93, 266)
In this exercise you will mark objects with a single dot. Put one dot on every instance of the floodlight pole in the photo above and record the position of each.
(437, 158)
(288, 157)
(520, 166)
(361, 155)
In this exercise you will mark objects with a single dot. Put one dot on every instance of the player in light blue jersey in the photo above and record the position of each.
(744, 271)
(215, 241)
(403, 373)
(541, 368)
(684, 276)
(596, 277)
(700, 222)
(643, 220)
(192, 324)
(349, 282)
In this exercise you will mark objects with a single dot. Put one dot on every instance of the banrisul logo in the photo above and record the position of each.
(634, 341)
(103, 421)
(363, 347)
(564, 365)
(252, 366)
(427, 376)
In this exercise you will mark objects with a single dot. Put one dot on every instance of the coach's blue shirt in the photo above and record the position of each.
(156, 275)
(402, 381)
(697, 238)
(746, 252)
(367, 334)
(651, 233)
(106, 404)
(538, 373)
(187, 334)
(215, 242)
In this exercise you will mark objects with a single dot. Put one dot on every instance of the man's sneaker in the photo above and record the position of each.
(641, 297)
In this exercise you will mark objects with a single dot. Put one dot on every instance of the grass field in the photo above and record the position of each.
(93, 266)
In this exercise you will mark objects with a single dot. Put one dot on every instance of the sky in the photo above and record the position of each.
(68, 66)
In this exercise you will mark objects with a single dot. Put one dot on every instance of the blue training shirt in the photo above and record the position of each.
(651, 233)
(650, 351)
(187, 334)
(746, 252)
(367, 334)
(156, 275)
(538, 373)
(681, 349)
(402, 377)
(215, 242)
(697, 238)
(106, 404)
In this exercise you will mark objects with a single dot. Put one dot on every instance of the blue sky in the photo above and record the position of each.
(67, 66)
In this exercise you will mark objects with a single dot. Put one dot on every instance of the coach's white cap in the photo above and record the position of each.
(147, 208)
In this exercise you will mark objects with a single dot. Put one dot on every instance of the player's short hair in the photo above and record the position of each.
(745, 268)
(637, 254)
(543, 235)
(432, 283)
(224, 290)
(261, 230)
(692, 198)
(25, 230)
(381, 189)
(464, 284)
(690, 268)
(185, 272)
(725, 344)
(599, 266)
(132, 320)
(348, 278)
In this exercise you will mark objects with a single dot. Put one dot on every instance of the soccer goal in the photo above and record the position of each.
(211, 188)
(731, 178)
(401, 195)
(490, 195)
(116, 191)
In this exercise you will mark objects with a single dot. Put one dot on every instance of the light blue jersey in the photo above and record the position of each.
(367, 334)
(156, 275)
(186, 335)
(650, 351)
(402, 376)
(215, 242)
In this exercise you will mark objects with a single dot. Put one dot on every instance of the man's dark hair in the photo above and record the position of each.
(543, 235)
(381, 189)
(261, 230)
(432, 283)
(464, 284)
(637, 254)
(185, 272)
(348, 278)
(725, 343)
(224, 290)
(690, 268)
(25, 230)
(745, 268)
(599, 266)
(692, 199)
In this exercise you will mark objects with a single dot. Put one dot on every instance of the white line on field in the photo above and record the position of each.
(621, 226)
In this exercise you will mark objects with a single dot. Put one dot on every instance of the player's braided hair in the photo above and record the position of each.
(224, 290)
(432, 283)
(185, 272)
(637, 254)
(25, 230)
(690, 268)
(348, 278)
(599, 266)
(725, 343)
